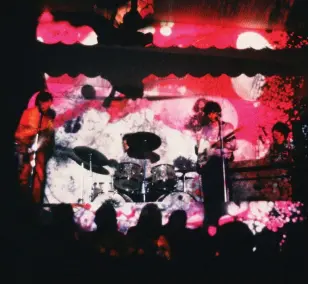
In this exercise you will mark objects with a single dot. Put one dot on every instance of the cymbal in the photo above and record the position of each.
(95, 168)
(143, 142)
(84, 153)
(152, 156)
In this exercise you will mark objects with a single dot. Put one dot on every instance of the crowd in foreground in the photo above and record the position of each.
(61, 252)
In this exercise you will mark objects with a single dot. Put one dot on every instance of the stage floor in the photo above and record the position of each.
(256, 214)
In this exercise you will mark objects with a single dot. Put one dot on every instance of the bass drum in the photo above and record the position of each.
(114, 198)
(193, 186)
(177, 200)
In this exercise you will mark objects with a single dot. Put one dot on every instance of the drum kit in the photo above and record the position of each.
(129, 182)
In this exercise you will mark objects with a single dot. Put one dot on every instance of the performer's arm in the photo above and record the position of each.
(27, 127)
(230, 145)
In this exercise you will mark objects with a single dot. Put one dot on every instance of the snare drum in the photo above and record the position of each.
(128, 177)
(163, 177)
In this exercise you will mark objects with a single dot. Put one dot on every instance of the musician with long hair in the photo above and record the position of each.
(212, 157)
(34, 139)
(196, 121)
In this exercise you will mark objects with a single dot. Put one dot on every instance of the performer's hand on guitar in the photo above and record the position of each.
(49, 128)
(216, 145)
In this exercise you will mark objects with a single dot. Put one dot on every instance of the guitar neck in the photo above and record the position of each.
(226, 138)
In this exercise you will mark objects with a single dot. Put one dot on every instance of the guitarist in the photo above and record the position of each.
(36, 122)
(210, 160)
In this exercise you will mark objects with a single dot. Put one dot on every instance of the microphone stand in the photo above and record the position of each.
(144, 181)
(33, 161)
(226, 198)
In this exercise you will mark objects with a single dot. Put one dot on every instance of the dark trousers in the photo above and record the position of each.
(213, 189)
(25, 177)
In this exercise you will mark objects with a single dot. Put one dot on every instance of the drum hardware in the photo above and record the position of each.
(141, 146)
(177, 200)
(184, 171)
(95, 191)
(98, 189)
(128, 177)
(144, 182)
(164, 177)
(92, 159)
(189, 182)
(82, 199)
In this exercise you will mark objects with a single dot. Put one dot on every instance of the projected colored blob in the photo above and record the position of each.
(257, 215)
(81, 122)
(168, 34)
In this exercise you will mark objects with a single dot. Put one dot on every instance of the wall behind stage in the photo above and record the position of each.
(251, 104)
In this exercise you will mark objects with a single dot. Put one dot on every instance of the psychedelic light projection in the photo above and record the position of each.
(252, 104)
(84, 122)
(167, 34)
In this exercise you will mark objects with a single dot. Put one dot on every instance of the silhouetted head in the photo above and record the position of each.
(235, 239)
(150, 218)
(63, 214)
(63, 221)
(267, 242)
(178, 220)
(106, 218)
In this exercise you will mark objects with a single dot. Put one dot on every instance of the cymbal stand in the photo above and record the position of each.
(91, 175)
(113, 189)
(82, 199)
(144, 182)
(184, 182)
(226, 198)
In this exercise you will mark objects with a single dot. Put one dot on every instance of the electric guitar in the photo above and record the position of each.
(44, 139)
(204, 147)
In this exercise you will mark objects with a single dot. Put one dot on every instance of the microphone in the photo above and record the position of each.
(218, 118)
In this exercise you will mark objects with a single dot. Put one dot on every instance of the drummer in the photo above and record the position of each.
(126, 158)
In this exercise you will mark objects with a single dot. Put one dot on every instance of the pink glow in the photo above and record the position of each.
(181, 35)
(128, 215)
(212, 231)
(241, 113)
